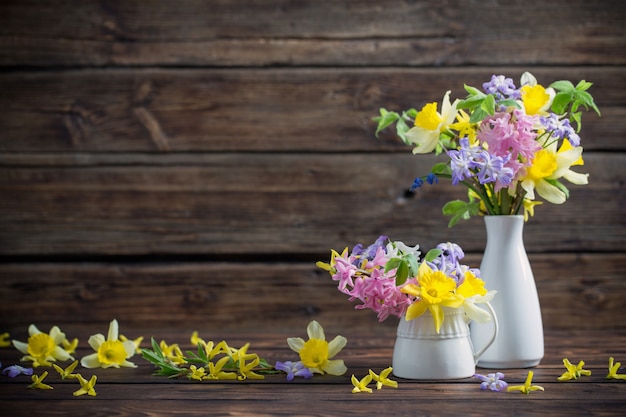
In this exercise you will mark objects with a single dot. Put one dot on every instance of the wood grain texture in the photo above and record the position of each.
(583, 291)
(268, 110)
(304, 33)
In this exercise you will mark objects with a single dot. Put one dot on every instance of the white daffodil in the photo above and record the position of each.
(43, 348)
(316, 353)
(429, 124)
(110, 352)
(550, 165)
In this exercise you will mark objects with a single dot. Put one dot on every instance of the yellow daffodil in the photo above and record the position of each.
(197, 373)
(136, 342)
(66, 373)
(38, 381)
(536, 99)
(382, 379)
(361, 385)
(573, 371)
(4, 340)
(435, 290)
(527, 388)
(550, 165)
(110, 352)
(473, 292)
(316, 353)
(613, 368)
(216, 372)
(429, 124)
(86, 387)
(43, 348)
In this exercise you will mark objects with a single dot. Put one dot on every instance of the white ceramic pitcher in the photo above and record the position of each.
(422, 353)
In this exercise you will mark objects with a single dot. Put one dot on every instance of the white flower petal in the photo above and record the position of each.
(114, 331)
(21, 346)
(295, 343)
(550, 192)
(95, 341)
(90, 361)
(33, 330)
(338, 343)
(57, 335)
(336, 367)
(129, 347)
(315, 330)
(61, 355)
(576, 178)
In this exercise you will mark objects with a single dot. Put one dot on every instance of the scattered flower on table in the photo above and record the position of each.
(43, 348)
(383, 379)
(316, 353)
(67, 373)
(15, 370)
(505, 143)
(527, 388)
(361, 385)
(38, 381)
(210, 362)
(86, 387)
(573, 371)
(613, 368)
(392, 279)
(493, 382)
(293, 369)
(110, 352)
(197, 373)
(5, 340)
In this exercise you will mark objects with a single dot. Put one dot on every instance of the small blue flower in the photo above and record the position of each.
(494, 381)
(432, 179)
(16, 370)
(417, 183)
(294, 369)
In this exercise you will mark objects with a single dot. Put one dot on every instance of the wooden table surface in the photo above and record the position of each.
(137, 392)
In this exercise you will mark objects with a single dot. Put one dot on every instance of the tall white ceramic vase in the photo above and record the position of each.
(506, 269)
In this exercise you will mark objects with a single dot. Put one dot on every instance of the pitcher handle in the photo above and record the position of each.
(478, 354)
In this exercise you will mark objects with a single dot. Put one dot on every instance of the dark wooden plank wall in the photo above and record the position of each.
(184, 163)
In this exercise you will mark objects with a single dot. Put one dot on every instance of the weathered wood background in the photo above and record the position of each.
(185, 163)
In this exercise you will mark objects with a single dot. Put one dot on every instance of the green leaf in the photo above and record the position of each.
(489, 104)
(432, 255)
(392, 264)
(583, 85)
(402, 273)
(386, 119)
(563, 85)
(510, 103)
(473, 90)
(413, 264)
(561, 101)
(470, 102)
(460, 210)
(441, 168)
(478, 115)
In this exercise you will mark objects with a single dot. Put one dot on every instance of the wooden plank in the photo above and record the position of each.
(258, 33)
(287, 204)
(577, 291)
(118, 389)
(235, 110)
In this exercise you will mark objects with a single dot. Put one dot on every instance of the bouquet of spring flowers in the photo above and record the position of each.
(389, 278)
(504, 143)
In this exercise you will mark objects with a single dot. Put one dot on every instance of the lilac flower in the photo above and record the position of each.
(494, 382)
(461, 163)
(501, 87)
(16, 370)
(560, 128)
(494, 170)
(294, 369)
(371, 250)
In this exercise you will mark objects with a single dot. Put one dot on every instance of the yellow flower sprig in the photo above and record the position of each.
(4, 340)
(361, 385)
(38, 381)
(527, 388)
(573, 371)
(66, 373)
(86, 387)
(613, 368)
